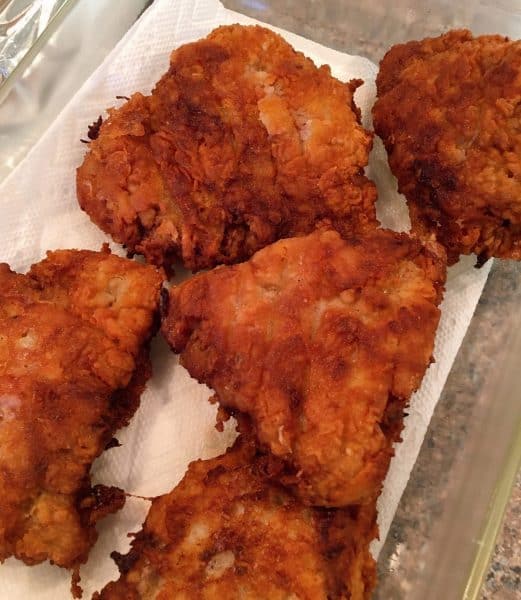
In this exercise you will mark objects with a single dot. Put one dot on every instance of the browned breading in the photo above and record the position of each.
(321, 341)
(449, 113)
(74, 338)
(229, 531)
(242, 141)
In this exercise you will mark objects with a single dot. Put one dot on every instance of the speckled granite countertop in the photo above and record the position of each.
(456, 423)
(503, 580)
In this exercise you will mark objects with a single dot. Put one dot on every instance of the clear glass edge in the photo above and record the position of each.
(494, 520)
(461, 537)
(17, 72)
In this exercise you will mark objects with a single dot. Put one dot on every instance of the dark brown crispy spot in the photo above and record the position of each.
(481, 259)
(76, 590)
(100, 501)
(214, 474)
(112, 443)
(165, 302)
(392, 422)
(93, 129)
(124, 562)
(295, 397)
(433, 174)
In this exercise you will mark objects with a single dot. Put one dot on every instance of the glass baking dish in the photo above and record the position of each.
(63, 55)
(444, 531)
(25, 26)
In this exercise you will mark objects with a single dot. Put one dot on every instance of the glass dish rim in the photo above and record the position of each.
(41, 40)
(493, 521)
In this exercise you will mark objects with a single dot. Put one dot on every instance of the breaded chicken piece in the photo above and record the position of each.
(229, 531)
(321, 342)
(243, 141)
(74, 360)
(449, 113)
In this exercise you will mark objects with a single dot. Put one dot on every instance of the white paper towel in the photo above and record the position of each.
(175, 424)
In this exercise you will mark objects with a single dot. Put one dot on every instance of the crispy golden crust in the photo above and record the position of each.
(228, 531)
(74, 338)
(242, 141)
(449, 113)
(321, 341)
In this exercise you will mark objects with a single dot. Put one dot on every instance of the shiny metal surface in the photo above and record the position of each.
(443, 534)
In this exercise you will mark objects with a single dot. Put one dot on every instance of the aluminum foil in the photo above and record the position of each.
(21, 24)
